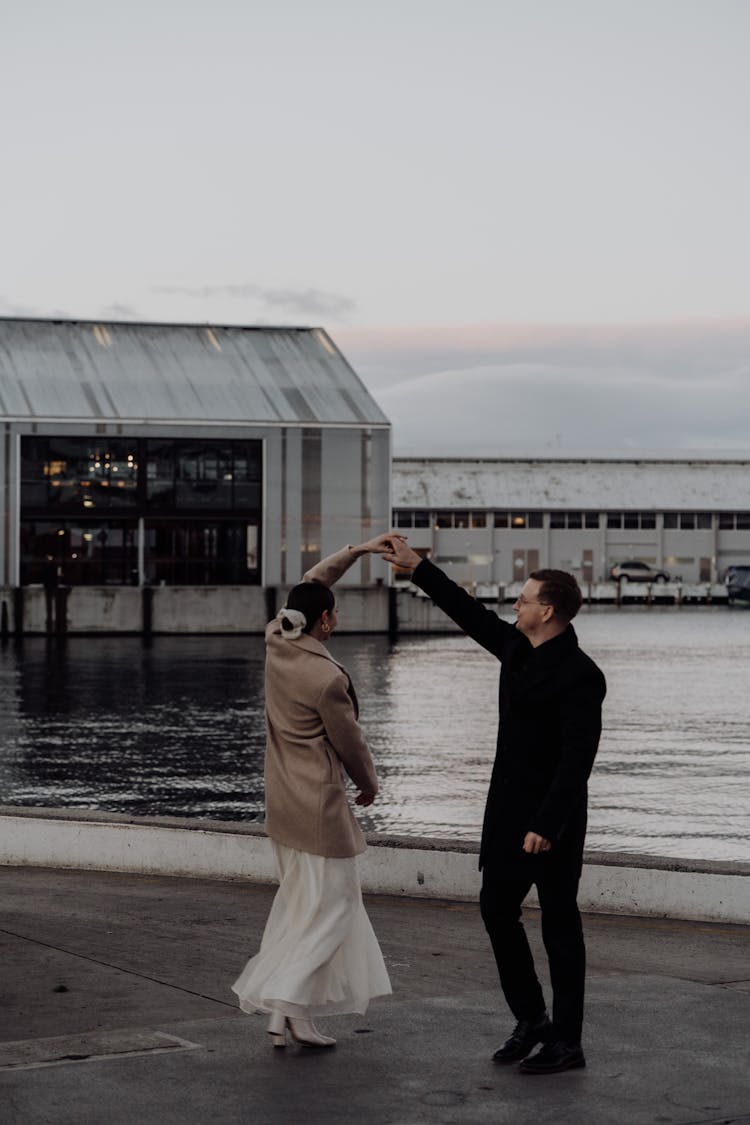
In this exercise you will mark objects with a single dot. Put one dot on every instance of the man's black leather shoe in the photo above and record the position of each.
(554, 1057)
(526, 1035)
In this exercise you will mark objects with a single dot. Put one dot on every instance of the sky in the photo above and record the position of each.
(525, 222)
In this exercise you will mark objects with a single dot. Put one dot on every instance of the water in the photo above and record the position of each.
(177, 729)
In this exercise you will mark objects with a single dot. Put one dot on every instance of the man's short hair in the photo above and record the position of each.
(560, 590)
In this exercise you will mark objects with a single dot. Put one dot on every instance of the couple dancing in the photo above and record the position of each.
(319, 955)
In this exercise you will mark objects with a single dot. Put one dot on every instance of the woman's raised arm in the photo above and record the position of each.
(329, 570)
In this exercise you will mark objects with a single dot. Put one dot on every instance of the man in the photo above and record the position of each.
(535, 819)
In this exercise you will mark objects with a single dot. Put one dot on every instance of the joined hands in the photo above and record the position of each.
(393, 549)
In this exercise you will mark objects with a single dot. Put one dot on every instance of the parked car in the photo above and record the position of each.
(635, 571)
(737, 582)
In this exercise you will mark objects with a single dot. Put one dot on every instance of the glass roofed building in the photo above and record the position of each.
(182, 455)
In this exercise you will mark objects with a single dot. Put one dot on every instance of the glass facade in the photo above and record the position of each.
(85, 501)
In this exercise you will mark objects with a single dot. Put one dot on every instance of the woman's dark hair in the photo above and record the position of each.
(310, 598)
(560, 590)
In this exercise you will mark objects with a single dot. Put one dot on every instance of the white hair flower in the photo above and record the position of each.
(292, 622)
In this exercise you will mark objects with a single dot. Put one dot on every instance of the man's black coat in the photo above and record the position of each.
(550, 723)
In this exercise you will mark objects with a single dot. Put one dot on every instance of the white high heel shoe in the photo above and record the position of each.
(276, 1029)
(303, 1031)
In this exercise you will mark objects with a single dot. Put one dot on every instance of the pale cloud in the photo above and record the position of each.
(120, 311)
(304, 301)
(485, 389)
(32, 312)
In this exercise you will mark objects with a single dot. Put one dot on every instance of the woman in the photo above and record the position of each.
(318, 955)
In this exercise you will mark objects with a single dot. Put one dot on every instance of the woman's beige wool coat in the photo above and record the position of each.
(312, 736)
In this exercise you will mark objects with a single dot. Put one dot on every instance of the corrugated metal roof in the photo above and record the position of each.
(177, 372)
(555, 485)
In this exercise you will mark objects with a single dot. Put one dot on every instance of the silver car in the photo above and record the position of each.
(635, 571)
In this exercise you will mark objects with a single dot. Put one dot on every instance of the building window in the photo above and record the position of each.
(632, 521)
(688, 521)
(203, 474)
(459, 519)
(90, 553)
(519, 520)
(87, 475)
(201, 553)
(82, 497)
(404, 517)
(78, 474)
(501, 519)
(574, 520)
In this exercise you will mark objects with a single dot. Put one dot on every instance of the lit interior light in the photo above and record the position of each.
(87, 504)
(88, 536)
(61, 531)
(74, 556)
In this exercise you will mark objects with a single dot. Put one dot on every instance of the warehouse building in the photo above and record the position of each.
(156, 455)
(494, 521)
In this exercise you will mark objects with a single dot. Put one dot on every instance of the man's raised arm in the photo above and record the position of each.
(480, 623)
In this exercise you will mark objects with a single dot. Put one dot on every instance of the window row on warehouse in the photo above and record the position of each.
(628, 520)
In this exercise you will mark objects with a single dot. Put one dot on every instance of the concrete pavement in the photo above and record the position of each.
(116, 1010)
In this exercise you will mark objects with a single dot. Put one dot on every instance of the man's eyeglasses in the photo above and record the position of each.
(521, 600)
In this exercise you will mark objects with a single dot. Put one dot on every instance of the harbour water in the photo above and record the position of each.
(176, 728)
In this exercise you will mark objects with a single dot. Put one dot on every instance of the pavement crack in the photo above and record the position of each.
(119, 968)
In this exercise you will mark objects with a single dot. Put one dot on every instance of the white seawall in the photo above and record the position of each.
(612, 883)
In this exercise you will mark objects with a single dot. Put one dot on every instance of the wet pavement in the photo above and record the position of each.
(116, 1010)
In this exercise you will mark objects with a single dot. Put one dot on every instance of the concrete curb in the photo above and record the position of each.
(612, 883)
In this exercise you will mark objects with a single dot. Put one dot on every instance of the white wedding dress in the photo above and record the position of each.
(319, 955)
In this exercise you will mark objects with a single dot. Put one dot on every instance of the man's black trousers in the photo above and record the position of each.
(500, 902)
